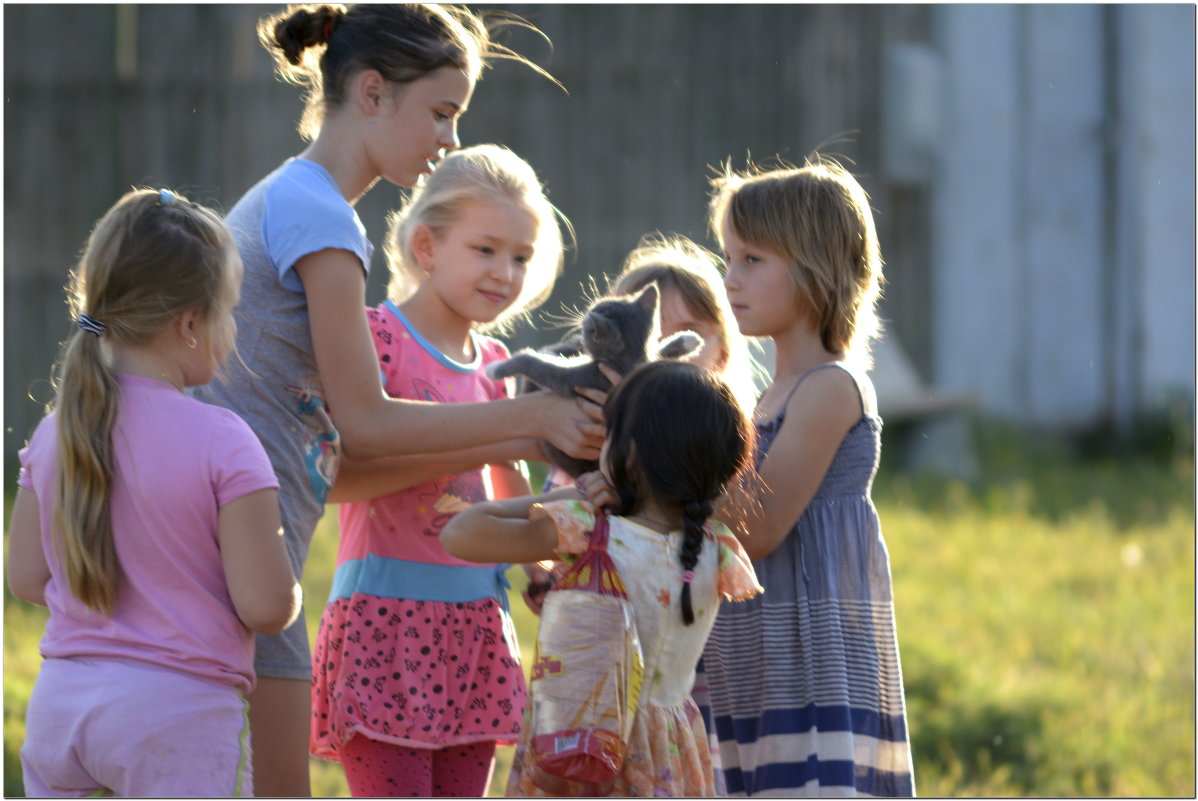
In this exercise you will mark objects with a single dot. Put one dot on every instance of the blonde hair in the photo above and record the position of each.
(487, 173)
(818, 217)
(151, 257)
(693, 272)
(320, 46)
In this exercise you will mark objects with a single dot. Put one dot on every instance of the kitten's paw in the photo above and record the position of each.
(499, 370)
(517, 365)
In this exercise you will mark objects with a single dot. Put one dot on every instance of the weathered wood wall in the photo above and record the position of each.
(99, 98)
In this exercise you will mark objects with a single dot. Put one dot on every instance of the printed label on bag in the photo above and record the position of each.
(547, 665)
(566, 743)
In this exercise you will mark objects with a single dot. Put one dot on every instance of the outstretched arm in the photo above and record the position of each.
(360, 480)
(373, 425)
(500, 531)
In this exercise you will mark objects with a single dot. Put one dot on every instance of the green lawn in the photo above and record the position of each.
(1045, 614)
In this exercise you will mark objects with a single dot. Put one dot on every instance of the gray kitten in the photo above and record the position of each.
(621, 332)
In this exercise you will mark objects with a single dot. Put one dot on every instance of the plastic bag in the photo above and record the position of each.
(586, 677)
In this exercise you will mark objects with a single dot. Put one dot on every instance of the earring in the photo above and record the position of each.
(192, 343)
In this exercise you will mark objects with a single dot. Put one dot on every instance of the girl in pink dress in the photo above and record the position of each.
(676, 439)
(416, 672)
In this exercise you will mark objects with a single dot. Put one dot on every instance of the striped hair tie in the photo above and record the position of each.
(91, 325)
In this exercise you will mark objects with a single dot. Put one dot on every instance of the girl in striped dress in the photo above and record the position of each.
(806, 692)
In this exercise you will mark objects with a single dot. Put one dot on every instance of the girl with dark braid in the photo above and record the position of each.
(676, 440)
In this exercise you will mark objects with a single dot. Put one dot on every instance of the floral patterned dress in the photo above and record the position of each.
(668, 753)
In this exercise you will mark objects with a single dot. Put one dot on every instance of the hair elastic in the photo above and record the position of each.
(688, 576)
(167, 197)
(91, 325)
(328, 28)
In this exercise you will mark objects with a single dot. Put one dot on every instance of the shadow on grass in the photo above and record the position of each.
(971, 741)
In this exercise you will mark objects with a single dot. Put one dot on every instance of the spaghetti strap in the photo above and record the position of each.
(856, 385)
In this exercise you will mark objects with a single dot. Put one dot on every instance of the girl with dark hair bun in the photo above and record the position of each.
(676, 440)
(385, 88)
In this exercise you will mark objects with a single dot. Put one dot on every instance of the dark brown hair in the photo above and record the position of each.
(320, 46)
(676, 431)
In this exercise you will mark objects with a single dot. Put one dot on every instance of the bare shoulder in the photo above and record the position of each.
(830, 397)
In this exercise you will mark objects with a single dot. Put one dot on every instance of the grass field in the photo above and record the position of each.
(1045, 614)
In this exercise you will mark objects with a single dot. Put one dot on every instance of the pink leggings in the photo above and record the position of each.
(384, 770)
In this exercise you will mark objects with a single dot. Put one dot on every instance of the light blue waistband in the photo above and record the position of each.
(419, 581)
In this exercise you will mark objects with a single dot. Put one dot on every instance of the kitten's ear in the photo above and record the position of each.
(680, 345)
(423, 240)
(647, 300)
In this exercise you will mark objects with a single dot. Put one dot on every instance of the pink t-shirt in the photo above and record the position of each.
(178, 461)
(407, 524)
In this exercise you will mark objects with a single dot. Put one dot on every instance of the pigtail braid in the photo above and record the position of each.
(694, 516)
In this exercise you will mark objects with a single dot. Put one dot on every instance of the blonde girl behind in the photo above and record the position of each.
(693, 299)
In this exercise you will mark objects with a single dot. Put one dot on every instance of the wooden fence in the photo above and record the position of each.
(99, 98)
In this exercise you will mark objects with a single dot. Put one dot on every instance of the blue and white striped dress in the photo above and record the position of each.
(803, 682)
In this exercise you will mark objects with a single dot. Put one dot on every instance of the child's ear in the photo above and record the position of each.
(370, 88)
(423, 240)
(189, 325)
(648, 298)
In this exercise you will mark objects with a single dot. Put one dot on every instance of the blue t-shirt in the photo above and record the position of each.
(272, 380)
(303, 212)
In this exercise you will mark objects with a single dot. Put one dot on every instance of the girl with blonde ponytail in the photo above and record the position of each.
(147, 522)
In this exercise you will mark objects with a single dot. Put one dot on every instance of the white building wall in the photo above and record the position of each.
(1063, 276)
(1059, 210)
(1157, 61)
(973, 210)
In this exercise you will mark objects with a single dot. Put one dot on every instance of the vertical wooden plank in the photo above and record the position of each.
(57, 130)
